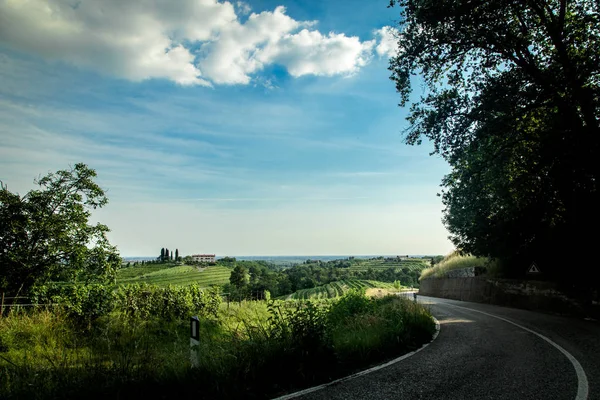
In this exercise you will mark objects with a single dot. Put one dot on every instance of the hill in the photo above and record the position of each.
(170, 274)
(335, 289)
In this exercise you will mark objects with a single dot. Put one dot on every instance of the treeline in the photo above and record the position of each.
(166, 255)
(511, 101)
(253, 278)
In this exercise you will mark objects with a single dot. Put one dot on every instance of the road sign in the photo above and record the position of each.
(533, 269)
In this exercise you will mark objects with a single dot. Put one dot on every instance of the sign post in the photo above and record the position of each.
(533, 269)
(194, 340)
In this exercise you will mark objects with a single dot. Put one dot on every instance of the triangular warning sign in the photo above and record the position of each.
(533, 269)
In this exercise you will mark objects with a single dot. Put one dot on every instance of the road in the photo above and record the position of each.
(478, 354)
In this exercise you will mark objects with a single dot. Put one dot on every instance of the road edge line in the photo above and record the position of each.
(365, 372)
(582, 381)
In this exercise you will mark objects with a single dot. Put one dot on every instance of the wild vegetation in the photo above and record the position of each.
(511, 100)
(256, 349)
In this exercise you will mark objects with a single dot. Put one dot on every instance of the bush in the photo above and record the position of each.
(79, 301)
(171, 302)
(352, 303)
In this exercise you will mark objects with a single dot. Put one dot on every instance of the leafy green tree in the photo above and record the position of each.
(166, 255)
(176, 254)
(162, 254)
(239, 277)
(512, 102)
(46, 235)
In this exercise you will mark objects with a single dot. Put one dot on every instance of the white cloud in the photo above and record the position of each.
(243, 8)
(388, 42)
(191, 42)
(135, 40)
(311, 53)
(231, 58)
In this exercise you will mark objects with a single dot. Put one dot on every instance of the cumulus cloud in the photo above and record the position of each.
(232, 57)
(388, 42)
(311, 53)
(243, 8)
(135, 40)
(190, 42)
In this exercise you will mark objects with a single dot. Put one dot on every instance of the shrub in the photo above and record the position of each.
(171, 302)
(352, 303)
(79, 301)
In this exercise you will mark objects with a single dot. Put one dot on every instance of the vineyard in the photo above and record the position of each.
(413, 264)
(163, 275)
(335, 289)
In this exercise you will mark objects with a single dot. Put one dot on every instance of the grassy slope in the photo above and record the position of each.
(165, 274)
(456, 261)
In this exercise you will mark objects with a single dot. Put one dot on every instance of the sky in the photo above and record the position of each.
(234, 128)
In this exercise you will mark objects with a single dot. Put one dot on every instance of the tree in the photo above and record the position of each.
(45, 234)
(162, 254)
(176, 254)
(166, 255)
(513, 104)
(238, 277)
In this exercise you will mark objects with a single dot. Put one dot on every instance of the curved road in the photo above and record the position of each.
(479, 356)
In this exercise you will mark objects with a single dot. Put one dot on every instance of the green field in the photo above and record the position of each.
(335, 289)
(413, 264)
(163, 275)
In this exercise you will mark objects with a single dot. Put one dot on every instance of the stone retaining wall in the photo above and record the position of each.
(530, 295)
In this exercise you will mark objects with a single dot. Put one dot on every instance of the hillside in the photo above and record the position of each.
(166, 274)
(335, 289)
(413, 264)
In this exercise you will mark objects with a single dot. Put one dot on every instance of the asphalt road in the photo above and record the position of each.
(479, 356)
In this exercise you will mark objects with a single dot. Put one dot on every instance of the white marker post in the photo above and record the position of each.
(194, 340)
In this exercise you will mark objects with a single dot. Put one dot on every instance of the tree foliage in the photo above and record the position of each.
(46, 235)
(512, 103)
(238, 277)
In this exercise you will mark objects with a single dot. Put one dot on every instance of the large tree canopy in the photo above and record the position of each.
(511, 101)
(45, 234)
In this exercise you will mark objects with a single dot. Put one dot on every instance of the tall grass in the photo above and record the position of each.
(252, 350)
(455, 260)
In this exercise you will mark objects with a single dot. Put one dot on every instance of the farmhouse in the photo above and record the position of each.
(203, 258)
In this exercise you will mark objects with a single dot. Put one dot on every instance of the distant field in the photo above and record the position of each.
(335, 289)
(413, 264)
(164, 275)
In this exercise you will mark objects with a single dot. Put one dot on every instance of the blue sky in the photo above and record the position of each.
(233, 128)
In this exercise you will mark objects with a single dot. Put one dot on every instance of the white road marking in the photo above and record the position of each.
(361, 373)
(582, 382)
